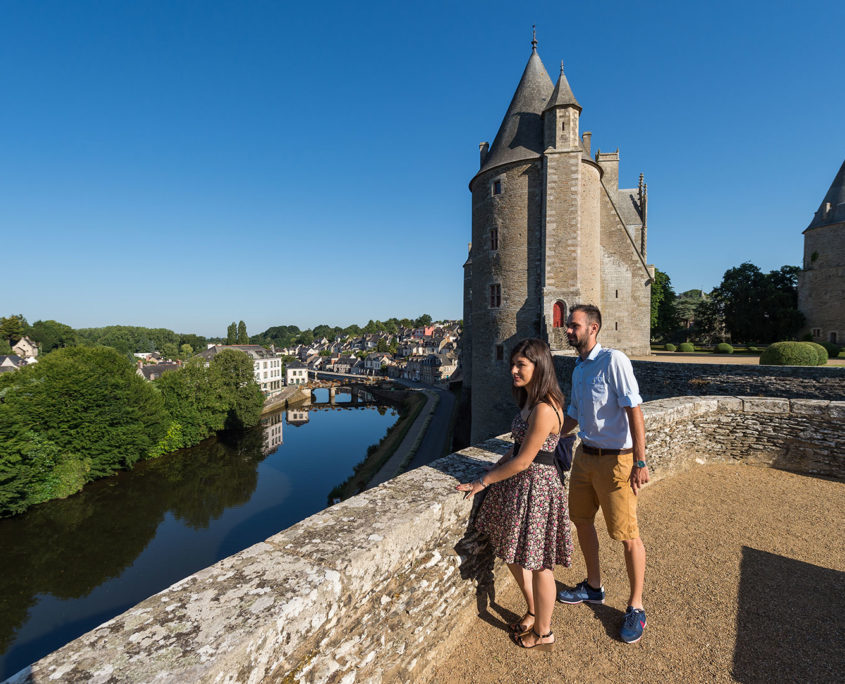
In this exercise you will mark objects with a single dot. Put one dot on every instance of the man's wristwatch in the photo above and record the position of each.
(640, 464)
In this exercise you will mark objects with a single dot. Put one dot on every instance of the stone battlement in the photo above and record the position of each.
(362, 590)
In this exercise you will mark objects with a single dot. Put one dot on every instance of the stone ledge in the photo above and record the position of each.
(361, 590)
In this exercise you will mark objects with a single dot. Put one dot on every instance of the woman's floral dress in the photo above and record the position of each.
(526, 517)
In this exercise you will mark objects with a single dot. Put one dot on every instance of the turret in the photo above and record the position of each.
(560, 117)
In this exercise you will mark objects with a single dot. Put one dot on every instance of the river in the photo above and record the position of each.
(70, 565)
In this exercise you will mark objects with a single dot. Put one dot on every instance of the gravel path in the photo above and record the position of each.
(745, 582)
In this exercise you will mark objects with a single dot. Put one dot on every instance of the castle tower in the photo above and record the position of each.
(548, 231)
(821, 285)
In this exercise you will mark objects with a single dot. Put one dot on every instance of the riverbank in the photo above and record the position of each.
(412, 404)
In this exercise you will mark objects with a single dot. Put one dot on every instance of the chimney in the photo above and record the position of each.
(483, 149)
(586, 138)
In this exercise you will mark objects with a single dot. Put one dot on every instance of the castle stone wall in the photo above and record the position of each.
(665, 379)
(821, 286)
(516, 212)
(361, 591)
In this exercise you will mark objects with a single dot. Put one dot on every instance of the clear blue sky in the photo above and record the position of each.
(186, 164)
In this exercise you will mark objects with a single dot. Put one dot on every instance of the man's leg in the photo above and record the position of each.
(588, 540)
(635, 563)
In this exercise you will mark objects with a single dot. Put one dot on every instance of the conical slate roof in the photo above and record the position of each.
(521, 134)
(836, 198)
(562, 95)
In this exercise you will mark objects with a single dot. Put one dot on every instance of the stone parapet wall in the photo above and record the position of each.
(366, 590)
(659, 379)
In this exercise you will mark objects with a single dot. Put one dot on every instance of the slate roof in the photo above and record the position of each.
(836, 197)
(294, 364)
(629, 207)
(562, 95)
(520, 135)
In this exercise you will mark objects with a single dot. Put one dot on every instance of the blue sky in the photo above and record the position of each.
(186, 164)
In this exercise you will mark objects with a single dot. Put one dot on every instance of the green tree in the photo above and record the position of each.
(664, 315)
(79, 414)
(186, 351)
(232, 333)
(5, 347)
(243, 338)
(759, 306)
(51, 335)
(170, 351)
(234, 374)
(423, 321)
(194, 400)
(195, 341)
(13, 327)
(381, 345)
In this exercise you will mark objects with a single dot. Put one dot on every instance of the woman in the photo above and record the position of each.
(524, 513)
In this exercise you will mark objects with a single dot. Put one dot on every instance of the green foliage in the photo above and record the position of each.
(724, 348)
(752, 349)
(170, 351)
(186, 351)
(79, 410)
(233, 373)
(669, 347)
(789, 354)
(757, 305)
(232, 333)
(821, 353)
(5, 347)
(128, 339)
(422, 321)
(686, 347)
(12, 328)
(173, 439)
(381, 346)
(833, 349)
(243, 338)
(51, 335)
(664, 314)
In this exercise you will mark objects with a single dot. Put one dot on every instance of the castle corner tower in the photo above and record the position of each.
(550, 229)
(821, 283)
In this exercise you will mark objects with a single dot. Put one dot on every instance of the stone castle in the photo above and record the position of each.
(821, 284)
(550, 228)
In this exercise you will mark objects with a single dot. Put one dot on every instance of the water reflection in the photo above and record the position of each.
(71, 564)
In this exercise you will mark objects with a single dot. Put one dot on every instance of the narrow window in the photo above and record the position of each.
(500, 352)
(494, 239)
(833, 337)
(495, 296)
(817, 332)
(617, 294)
(616, 325)
(563, 125)
(497, 187)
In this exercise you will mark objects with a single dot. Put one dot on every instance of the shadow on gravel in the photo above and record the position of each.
(610, 617)
(789, 623)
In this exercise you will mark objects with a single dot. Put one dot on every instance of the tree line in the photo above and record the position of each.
(83, 413)
(748, 306)
(289, 335)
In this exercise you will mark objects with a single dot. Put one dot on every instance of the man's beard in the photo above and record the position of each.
(579, 343)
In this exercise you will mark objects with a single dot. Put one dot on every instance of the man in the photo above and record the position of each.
(609, 467)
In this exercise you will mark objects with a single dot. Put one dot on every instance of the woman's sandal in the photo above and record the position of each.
(519, 628)
(517, 639)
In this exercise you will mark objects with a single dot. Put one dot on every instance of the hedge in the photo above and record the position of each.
(821, 353)
(686, 347)
(669, 346)
(724, 348)
(789, 354)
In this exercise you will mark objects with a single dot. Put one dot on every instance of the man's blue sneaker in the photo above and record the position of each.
(582, 593)
(633, 625)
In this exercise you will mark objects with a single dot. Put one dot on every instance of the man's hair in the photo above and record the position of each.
(591, 312)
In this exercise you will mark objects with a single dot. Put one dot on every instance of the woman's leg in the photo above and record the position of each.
(525, 583)
(544, 590)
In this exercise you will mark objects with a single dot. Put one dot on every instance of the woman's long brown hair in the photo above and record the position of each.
(543, 385)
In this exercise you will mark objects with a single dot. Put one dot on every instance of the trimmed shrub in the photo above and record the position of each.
(724, 348)
(669, 347)
(686, 347)
(789, 354)
(833, 349)
(753, 350)
(821, 353)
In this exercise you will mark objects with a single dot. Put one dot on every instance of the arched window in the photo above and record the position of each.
(559, 315)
